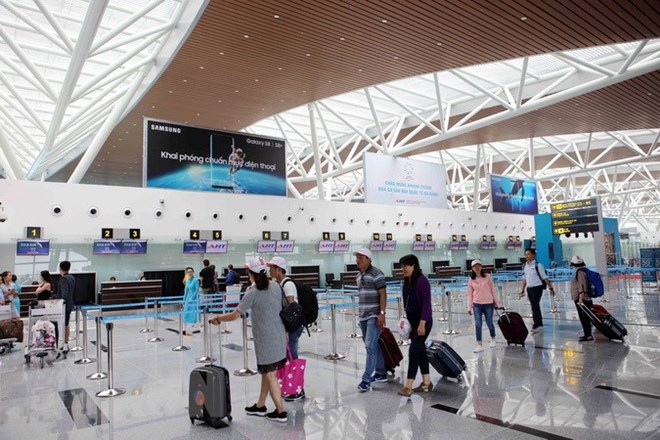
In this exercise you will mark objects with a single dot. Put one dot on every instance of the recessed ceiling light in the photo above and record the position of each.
(221, 53)
(126, 132)
(169, 91)
(304, 91)
(328, 81)
(256, 80)
(120, 139)
(438, 44)
(359, 70)
(383, 21)
(219, 100)
(185, 80)
(201, 67)
(279, 68)
(153, 106)
(246, 36)
(342, 39)
(308, 55)
(281, 100)
(523, 18)
(197, 114)
(276, 16)
(235, 91)
(396, 58)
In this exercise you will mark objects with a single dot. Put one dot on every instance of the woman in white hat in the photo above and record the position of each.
(483, 299)
(264, 299)
(580, 294)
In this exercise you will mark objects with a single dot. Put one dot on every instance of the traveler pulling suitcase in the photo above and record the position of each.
(513, 327)
(390, 348)
(607, 324)
(209, 396)
(445, 360)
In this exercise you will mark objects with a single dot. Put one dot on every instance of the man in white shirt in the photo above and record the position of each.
(278, 269)
(533, 283)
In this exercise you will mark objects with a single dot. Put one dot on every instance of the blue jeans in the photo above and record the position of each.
(375, 362)
(294, 336)
(487, 311)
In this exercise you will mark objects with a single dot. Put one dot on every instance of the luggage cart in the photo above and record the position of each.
(53, 311)
(6, 345)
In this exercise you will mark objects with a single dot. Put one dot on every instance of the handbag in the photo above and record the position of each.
(404, 328)
(292, 314)
(291, 376)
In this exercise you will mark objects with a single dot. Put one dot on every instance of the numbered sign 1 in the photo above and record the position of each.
(33, 232)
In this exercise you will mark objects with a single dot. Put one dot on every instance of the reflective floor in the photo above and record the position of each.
(554, 388)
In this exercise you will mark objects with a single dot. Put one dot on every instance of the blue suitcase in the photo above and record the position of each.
(445, 360)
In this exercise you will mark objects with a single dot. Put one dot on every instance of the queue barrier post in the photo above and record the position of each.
(111, 391)
(77, 347)
(85, 359)
(146, 328)
(334, 356)
(207, 357)
(245, 371)
(450, 330)
(155, 337)
(99, 374)
(181, 347)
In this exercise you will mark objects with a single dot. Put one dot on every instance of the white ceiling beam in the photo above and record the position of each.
(88, 31)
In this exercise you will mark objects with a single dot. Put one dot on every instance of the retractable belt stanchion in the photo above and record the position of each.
(245, 371)
(400, 308)
(207, 357)
(223, 325)
(99, 374)
(181, 347)
(353, 335)
(111, 391)
(334, 356)
(85, 359)
(155, 338)
(443, 305)
(146, 328)
(450, 330)
(77, 347)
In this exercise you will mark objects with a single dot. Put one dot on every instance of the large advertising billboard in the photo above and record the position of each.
(404, 182)
(192, 158)
(513, 196)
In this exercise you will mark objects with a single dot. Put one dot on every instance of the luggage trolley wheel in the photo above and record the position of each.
(41, 357)
(27, 358)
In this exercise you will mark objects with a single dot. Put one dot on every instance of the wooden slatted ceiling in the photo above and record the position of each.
(350, 46)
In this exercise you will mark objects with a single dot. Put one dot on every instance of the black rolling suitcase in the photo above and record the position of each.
(445, 360)
(209, 397)
(513, 327)
(607, 324)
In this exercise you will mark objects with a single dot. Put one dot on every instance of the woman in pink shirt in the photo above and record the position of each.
(481, 298)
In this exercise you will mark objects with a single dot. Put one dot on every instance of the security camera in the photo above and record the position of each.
(187, 214)
(382, 222)
(302, 208)
(289, 218)
(162, 201)
(127, 212)
(240, 216)
(367, 221)
(350, 221)
(311, 219)
(56, 210)
(158, 213)
(215, 215)
(264, 217)
(397, 223)
(93, 211)
(334, 220)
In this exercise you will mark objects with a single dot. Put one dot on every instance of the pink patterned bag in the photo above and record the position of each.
(291, 376)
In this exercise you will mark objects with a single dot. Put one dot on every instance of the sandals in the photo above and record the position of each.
(424, 388)
(405, 392)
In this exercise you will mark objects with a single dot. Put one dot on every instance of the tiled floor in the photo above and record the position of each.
(556, 389)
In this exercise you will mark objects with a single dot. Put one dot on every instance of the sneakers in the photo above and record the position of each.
(478, 349)
(537, 330)
(586, 338)
(379, 378)
(254, 410)
(295, 397)
(493, 344)
(277, 416)
(363, 387)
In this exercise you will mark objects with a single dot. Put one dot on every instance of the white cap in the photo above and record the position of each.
(475, 262)
(257, 265)
(364, 251)
(279, 262)
(576, 260)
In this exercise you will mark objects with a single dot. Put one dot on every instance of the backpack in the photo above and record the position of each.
(595, 283)
(307, 299)
(543, 283)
